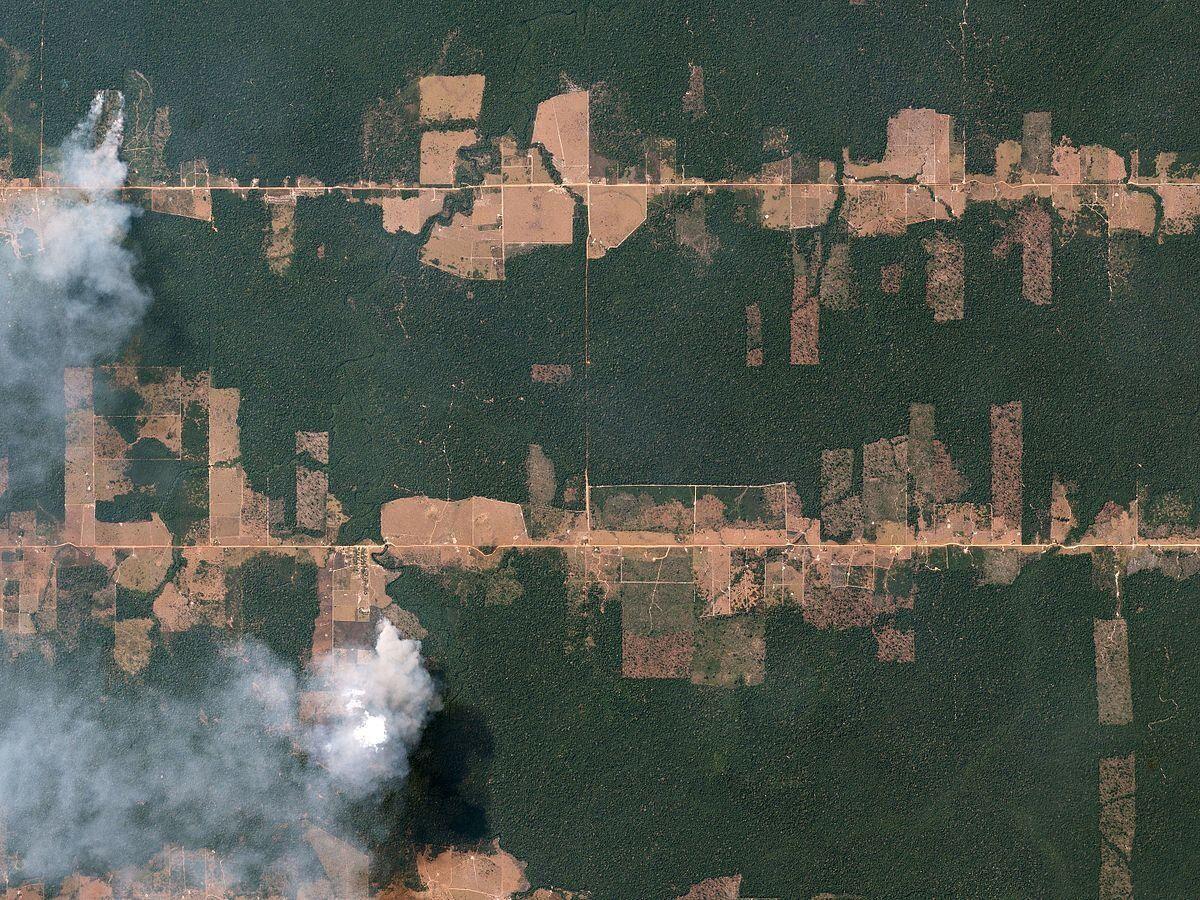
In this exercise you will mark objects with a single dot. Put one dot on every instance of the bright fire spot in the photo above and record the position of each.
(372, 731)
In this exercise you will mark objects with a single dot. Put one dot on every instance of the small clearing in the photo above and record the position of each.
(451, 98)
(945, 285)
(439, 155)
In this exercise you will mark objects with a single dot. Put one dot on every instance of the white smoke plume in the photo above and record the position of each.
(97, 774)
(68, 291)
(98, 779)
(379, 710)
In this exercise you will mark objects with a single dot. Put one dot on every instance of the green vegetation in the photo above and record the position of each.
(133, 604)
(1164, 645)
(187, 663)
(296, 105)
(112, 399)
(1123, 74)
(954, 756)
(20, 103)
(77, 581)
(275, 598)
(970, 772)
(1106, 386)
(418, 376)
(493, 587)
(177, 490)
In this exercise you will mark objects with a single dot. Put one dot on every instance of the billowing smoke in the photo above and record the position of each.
(379, 709)
(68, 292)
(209, 749)
(98, 777)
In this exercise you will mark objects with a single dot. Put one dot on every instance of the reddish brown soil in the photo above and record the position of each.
(666, 656)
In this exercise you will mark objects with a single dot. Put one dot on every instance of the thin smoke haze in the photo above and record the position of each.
(100, 775)
(99, 779)
(68, 290)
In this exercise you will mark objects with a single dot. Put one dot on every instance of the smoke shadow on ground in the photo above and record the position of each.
(442, 803)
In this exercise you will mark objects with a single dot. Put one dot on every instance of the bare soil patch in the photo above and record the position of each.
(811, 204)
(314, 444)
(712, 571)
(885, 484)
(225, 488)
(614, 212)
(1113, 693)
(806, 315)
(642, 510)
(1007, 479)
(279, 245)
(839, 607)
(949, 484)
(425, 520)
(224, 437)
(774, 200)
(693, 97)
(784, 502)
(1180, 208)
(710, 513)
(1101, 165)
(477, 521)
(662, 656)
(471, 245)
(875, 209)
(439, 155)
(537, 214)
(1113, 525)
(841, 511)
(1062, 516)
(159, 387)
(192, 203)
(919, 147)
(550, 373)
(348, 867)
(539, 477)
(1031, 228)
(754, 335)
(409, 213)
(451, 98)
(1126, 208)
(131, 652)
(454, 874)
(893, 645)
(312, 493)
(144, 570)
(727, 887)
(167, 429)
(172, 609)
(153, 533)
(77, 388)
(930, 204)
(1036, 143)
(691, 230)
(945, 279)
(561, 126)
(742, 515)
